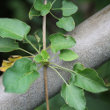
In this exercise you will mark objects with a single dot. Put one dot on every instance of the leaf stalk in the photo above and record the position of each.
(59, 74)
(32, 45)
(26, 51)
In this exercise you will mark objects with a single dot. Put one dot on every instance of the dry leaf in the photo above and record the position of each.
(9, 63)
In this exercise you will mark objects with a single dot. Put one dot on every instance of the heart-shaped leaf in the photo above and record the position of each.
(73, 96)
(20, 76)
(59, 42)
(40, 6)
(66, 23)
(68, 55)
(68, 8)
(33, 13)
(89, 80)
(13, 28)
(8, 45)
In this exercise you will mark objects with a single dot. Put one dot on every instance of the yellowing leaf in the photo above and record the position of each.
(9, 63)
(14, 58)
(5, 65)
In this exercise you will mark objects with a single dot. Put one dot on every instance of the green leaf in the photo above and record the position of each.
(45, 55)
(78, 67)
(59, 42)
(38, 58)
(68, 55)
(8, 45)
(104, 72)
(73, 96)
(42, 57)
(33, 13)
(65, 107)
(68, 8)
(13, 28)
(66, 23)
(89, 80)
(40, 6)
(20, 76)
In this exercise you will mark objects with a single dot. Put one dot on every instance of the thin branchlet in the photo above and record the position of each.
(45, 67)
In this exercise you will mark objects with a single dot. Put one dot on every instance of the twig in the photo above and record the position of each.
(45, 67)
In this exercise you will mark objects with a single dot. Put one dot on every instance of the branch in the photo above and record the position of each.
(45, 67)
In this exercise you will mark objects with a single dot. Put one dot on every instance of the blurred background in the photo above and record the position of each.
(19, 9)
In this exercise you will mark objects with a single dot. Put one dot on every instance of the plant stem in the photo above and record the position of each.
(53, 2)
(46, 87)
(44, 29)
(54, 16)
(45, 67)
(53, 57)
(61, 8)
(26, 51)
(58, 66)
(32, 45)
(56, 9)
(59, 74)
